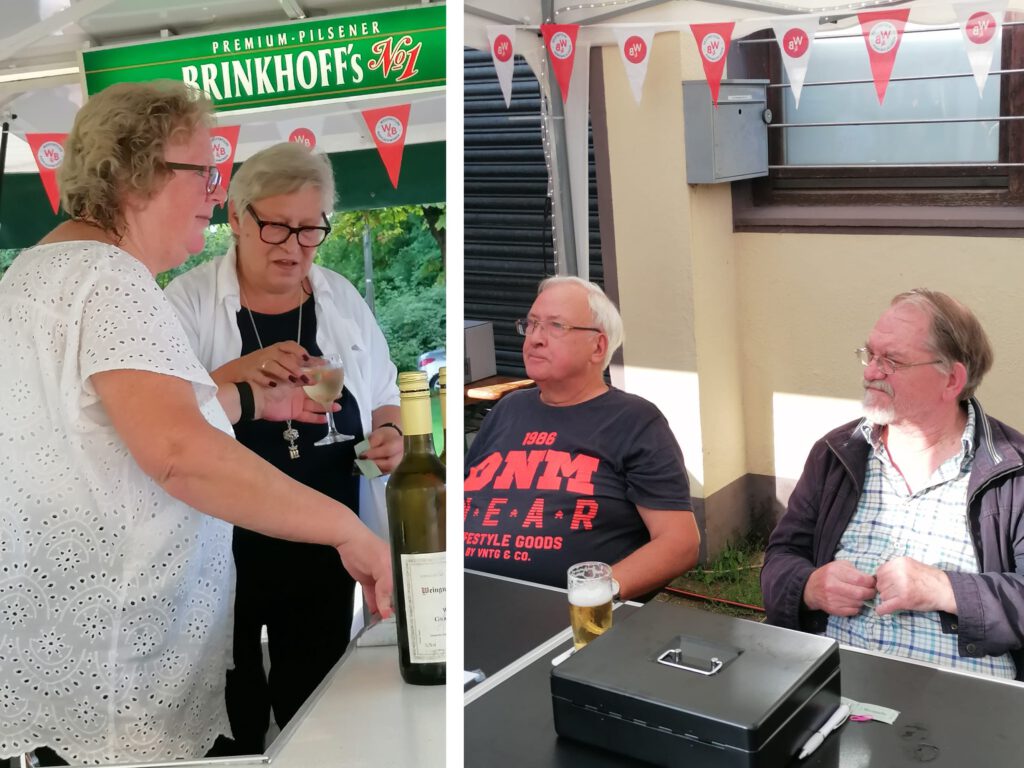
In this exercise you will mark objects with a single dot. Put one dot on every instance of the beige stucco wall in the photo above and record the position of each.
(652, 240)
(746, 340)
(677, 281)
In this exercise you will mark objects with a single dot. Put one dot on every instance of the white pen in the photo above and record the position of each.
(837, 719)
(563, 656)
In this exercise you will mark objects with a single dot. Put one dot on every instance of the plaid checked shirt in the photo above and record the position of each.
(931, 527)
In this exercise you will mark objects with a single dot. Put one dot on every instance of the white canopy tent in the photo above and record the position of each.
(40, 81)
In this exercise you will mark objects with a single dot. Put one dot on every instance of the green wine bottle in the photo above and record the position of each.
(416, 496)
(442, 376)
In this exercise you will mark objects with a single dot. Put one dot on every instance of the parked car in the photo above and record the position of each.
(432, 362)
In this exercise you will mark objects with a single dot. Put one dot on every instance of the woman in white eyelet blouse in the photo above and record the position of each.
(115, 587)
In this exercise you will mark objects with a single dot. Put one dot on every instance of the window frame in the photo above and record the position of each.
(989, 201)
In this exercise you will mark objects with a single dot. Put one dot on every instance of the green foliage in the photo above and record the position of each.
(408, 276)
(218, 239)
(734, 575)
(413, 322)
(6, 257)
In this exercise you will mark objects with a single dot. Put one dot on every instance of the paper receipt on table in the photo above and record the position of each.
(874, 711)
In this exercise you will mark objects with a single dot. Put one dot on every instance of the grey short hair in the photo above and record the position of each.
(280, 170)
(956, 334)
(605, 314)
(117, 145)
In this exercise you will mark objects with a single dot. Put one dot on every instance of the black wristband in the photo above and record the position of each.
(246, 401)
(394, 426)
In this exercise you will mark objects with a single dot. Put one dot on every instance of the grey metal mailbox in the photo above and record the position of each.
(730, 142)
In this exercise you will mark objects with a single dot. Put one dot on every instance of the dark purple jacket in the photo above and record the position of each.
(990, 604)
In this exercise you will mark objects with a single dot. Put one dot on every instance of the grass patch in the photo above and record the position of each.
(734, 575)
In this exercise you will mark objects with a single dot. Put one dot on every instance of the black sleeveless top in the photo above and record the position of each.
(327, 468)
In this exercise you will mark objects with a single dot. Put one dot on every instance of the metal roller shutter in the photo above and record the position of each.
(507, 209)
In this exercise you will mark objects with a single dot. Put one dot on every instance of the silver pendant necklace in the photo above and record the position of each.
(290, 434)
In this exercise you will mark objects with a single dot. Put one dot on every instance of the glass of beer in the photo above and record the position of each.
(326, 383)
(590, 601)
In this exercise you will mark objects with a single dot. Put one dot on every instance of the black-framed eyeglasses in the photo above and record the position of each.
(211, 172)
(887, 365)
(527, 325)
(276, 233)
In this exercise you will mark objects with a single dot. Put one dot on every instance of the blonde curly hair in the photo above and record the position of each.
(116, 146)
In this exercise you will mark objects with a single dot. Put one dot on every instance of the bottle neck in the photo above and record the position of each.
(419, 444)
(416, 419)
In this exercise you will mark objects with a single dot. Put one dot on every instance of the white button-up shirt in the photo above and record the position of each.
(208, 300)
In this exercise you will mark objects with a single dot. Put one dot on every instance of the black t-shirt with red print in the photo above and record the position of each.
(550, 486)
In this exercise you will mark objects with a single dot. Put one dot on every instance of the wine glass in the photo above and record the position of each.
(326, 383)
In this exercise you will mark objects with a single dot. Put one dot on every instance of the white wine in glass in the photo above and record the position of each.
(327, 383)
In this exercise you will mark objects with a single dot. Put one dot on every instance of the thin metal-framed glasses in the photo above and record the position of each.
(276, 233)
(887, 365)
(527, 325)
(211, 172)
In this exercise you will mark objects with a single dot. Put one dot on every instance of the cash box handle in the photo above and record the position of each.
(673, 658)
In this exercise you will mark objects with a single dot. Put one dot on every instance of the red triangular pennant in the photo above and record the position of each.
(388, 126)
(882, 32)
(224, 139)
(48, 150)
(560, 40)
(713, 43)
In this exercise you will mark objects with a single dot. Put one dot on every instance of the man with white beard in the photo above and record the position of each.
(905, 533)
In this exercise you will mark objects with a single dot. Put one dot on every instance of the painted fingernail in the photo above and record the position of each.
(305, 358)
(273, 383)
(305, 379)
(292, 379)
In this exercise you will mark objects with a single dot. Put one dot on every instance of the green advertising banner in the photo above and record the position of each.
(296, 63)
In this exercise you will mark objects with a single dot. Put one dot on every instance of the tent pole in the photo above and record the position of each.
(368, 262)
(559, 145)
(4, 130)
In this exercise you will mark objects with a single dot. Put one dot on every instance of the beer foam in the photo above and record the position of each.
(590, 594)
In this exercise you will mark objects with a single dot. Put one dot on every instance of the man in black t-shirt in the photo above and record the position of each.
(575, 470)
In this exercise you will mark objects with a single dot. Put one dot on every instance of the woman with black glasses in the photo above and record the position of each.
(263, 313)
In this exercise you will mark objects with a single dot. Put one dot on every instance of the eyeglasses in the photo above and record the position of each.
(556, 330)
(887, 365)
(276, 233)
(209, 171)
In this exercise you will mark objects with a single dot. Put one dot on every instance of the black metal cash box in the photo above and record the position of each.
(679, 687)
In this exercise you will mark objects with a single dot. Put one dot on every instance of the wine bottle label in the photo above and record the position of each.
(423, 578)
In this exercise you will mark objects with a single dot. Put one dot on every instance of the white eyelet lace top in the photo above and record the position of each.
(115, 598)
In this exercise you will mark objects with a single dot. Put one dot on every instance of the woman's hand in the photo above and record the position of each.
(368, 559)
(386, 448)
(289, 402)
(271, 366)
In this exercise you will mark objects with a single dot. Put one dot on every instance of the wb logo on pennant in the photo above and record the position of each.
(883, 37)
(388, 129)
(561, 45)
(981, 27)
(50, 155)
(635, 49)
(221, 149)
(713, 46)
